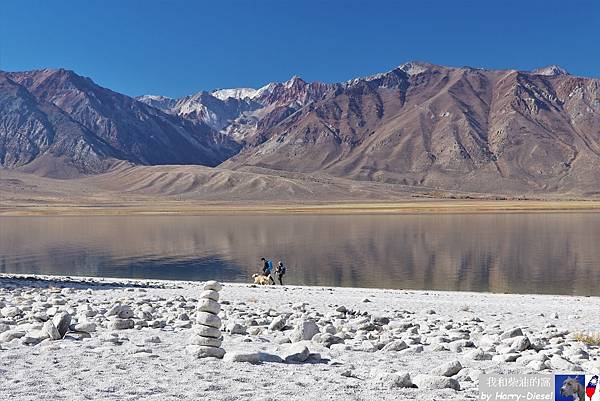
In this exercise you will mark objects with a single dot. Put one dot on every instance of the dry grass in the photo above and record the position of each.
(587, 338)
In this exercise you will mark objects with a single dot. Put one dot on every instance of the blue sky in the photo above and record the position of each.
(178, 47)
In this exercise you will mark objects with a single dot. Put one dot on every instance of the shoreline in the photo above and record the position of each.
(343, 343)
(175, 284)
(171, 208)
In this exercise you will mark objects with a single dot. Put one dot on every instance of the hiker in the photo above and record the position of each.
(280, 270)
(267, 269)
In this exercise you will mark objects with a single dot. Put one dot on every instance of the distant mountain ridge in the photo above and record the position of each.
(467, 129)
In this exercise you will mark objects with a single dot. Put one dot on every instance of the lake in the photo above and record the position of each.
(555, 253)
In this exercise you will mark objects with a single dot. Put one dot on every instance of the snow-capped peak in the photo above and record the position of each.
(551, 70)
(414, 67)
(158, 101)
(236, 93)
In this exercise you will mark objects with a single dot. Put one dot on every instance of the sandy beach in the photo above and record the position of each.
(130, 340)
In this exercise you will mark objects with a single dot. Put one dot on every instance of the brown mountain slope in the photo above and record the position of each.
(452, 128)
(33, 131)
(137, 132)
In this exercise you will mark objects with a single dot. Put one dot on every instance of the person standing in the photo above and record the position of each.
(280, 270)
(268, 269)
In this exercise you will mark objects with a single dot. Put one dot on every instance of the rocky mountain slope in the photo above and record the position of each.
(451, 128)
(107, 126)
(419, 125)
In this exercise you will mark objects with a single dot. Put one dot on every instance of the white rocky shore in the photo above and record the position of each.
(107, 339)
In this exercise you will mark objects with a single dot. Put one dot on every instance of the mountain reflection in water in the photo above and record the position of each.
(518, 253)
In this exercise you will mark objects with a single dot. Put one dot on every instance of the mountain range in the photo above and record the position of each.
(419, 125)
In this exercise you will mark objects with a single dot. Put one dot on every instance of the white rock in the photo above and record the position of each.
(278, 323)
(210, 294)
(516, 332)
(208, 319)
(250, 357)
(396, 345)
(295, 353)
(563, 365)
(304, 330)
(212, 285)
(206, 341)
(121, 324)
(447, 369)
(62, 321)
(431, 382)
(236, 328)
(86, 327)
(10, 311)
(208, 305)
(51, 330)
(386, 379)
(199, 351)
(207, 331)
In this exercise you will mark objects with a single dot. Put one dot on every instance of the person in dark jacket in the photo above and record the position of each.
(280, 270)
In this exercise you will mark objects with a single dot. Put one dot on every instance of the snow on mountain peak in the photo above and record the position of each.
(414, 67)
(236, 93)
(551, 70)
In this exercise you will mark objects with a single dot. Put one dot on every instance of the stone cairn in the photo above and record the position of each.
(206, 339)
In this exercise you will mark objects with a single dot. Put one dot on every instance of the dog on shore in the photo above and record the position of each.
(571, 387)
(261, 279)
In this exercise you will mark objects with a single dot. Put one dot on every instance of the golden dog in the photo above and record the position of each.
(261, 279)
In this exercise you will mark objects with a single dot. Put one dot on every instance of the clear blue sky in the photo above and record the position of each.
(178, 47)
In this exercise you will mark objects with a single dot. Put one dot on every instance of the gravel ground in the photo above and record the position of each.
(130, 340)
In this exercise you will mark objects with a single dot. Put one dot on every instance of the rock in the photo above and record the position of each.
(563, 365)
(250, 357)
(210, 294)
(327, 340)
(396, 345)
(447, 369)
(11, 335)
(62, 321)
(125, 312)
(412, 350)
(278, 323)
(511, 357)
(536, 365)
(267, 357)
(208, 305)
(478, 355)
(516, 332)
(34, 337)
(295, 353)
(236, 328)
(207, 331)
(330, 329)
(305, 330)
(206, 341)
(341, 309)
(86, 327)
(431, 382)
(521, 343)
(156, 340)
(51, 330)
(121, 324)
(212, 285)
(386, 380)
(10, 311)
(208, 319)
(200, 351)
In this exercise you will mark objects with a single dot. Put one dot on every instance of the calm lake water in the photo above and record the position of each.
(555, 253)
